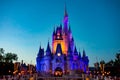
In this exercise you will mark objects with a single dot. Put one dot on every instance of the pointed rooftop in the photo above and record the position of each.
(69, 49)
(54, 31)
(65, 21)
(48, 48)
(69, 29)
(41, 52)
(75, 51)
(79, 55)
(84, 54)
(65, 12)
(72, 39)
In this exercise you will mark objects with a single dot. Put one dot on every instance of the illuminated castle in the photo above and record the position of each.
(63, 56)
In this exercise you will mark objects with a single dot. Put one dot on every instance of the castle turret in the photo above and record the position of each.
(69, 52)
(69, 59)
(65, 21)
(79, 55)
(54, 34)
(39, 59)
(84, 54)
(86, 61)
(48, 50)
(75, 54)
(72, 43)
(48, 58)
(61, 39)
(41, 52)
(75, 51)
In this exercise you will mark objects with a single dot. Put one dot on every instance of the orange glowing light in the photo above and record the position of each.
(64, 46)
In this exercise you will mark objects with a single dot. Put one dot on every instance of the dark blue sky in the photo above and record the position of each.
(95, 24)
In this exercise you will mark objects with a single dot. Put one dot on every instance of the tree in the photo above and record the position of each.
(110, 63)
(117, 60)
(9, 57)
(6, 62)
(1, 54)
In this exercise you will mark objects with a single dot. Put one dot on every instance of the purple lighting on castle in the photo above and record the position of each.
(64, 55)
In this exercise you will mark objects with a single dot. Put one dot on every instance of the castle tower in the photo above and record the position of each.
(47, 59)
(48, 50)
(62, 57)
(69, 59)
(62, 36)
(65, 20)
(39, 59)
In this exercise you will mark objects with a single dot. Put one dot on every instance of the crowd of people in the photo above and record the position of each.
(19, 77)
(101, 77)
(36, 76)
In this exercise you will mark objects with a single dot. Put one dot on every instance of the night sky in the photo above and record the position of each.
(95, 24)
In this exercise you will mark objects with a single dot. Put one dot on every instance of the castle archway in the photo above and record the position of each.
(58, 72)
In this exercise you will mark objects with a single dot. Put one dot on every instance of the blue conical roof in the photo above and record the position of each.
(48, 50)
(84, 54)
(54, 31)
(41, 52)
(75, 51)
(79, 55)
(69, 48)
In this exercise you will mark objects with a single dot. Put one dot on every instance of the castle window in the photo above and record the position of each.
(59, 54)
(58, 37)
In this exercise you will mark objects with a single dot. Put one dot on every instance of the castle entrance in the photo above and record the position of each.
(58, 72)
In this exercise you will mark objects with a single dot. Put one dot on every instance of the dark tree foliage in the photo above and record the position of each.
(113, 65)
(110, 63)
(117, 60)
(7, 57)
(6, 68)
(6, 62)
(1, 54)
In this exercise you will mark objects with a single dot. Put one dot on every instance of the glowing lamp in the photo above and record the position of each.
(59, 54)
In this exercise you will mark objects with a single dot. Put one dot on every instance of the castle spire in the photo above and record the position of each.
(48, 51)
(79, 54)
(41, 52)
(65, 21)
(54, 31)
(65, 12)
(69, 49)
(75, 51)
(69, 29)
(69, 55)
(84, 54)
